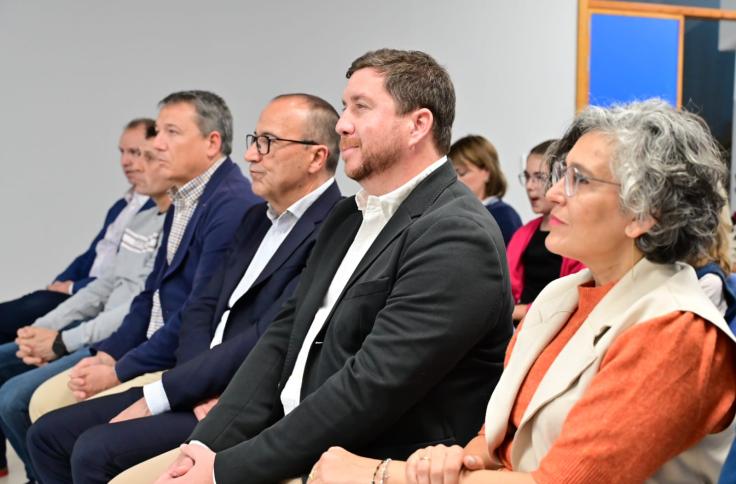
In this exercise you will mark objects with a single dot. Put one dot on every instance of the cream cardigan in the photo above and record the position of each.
(647, 291)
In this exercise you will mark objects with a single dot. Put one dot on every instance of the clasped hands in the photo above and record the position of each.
(35, 345)
(92, 375)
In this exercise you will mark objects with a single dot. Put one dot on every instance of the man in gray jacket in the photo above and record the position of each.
(57, 341)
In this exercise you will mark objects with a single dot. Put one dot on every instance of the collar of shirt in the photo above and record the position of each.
(190, 192)
(298, 208)
(138, 199)
(129, 194)
(389, 202)
(490, 200)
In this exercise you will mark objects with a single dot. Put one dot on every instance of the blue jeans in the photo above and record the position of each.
(16, 392)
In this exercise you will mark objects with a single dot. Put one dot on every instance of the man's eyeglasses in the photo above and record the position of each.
(263, 142)
(536, 177)
(573, 178)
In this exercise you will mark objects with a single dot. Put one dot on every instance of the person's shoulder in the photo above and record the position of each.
(456, 201)
(502, 208)
(457, 210)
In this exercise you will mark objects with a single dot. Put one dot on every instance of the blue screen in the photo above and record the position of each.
(632, 58)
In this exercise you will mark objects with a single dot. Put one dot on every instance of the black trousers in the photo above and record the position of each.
(25, 310)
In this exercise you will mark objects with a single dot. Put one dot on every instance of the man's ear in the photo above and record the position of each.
(319, 158)
(215, 144)
(421, 122)
(638, 227)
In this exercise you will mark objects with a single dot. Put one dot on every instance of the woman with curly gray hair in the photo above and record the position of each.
(624, 371)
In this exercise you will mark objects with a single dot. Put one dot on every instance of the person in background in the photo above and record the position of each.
(477, 166)
(713, 268)
(531, 265)
(292, 154)
(54, 342)
(95, 262)
(99, 256)
(622, 372)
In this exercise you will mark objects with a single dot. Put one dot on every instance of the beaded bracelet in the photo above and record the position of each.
(385, 476)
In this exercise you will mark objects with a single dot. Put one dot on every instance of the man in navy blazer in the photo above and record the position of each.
(293, 154)
(24, 310)
(210, 197)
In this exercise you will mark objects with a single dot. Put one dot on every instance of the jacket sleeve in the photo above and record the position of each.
(424, 316)
(158, 352)
(78, 270)
(83, 305)
(96, 329)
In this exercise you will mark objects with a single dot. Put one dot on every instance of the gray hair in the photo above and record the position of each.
(670, 169)
(212, 114)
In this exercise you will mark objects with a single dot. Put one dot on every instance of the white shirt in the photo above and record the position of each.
(281, 226)
(377, 211)
(713, 288)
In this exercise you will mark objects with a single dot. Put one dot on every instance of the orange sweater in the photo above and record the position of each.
(662, 386)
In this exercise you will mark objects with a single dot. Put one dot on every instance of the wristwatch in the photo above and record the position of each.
(58, 346)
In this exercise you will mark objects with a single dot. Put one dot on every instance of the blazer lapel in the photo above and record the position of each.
(186, 238)
(336, 247)
(303, 228)
(243, 259)
(415, 204)
(581, 350)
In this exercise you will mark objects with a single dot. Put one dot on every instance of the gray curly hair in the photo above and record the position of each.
(670, 168)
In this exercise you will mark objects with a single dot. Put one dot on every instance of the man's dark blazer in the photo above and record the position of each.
(206, 239)
(200, 373)
(407, 358)
(108, 449)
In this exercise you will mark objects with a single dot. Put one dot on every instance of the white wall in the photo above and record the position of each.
(73, 73)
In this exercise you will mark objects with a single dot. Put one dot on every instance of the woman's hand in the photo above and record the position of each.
(338, 466)
(440, 465)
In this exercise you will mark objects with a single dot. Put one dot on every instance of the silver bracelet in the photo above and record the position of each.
(384, 475)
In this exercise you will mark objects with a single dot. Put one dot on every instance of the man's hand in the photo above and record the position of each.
(194, 465)
(138, 409)
(63, 287)
(92, 375)
(35, 345)
(201, 410)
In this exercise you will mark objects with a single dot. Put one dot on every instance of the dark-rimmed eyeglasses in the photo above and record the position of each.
(536, 178)
(573, 178)
(263, 142)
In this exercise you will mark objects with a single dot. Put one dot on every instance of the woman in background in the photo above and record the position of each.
(531, 265)
(476, 162)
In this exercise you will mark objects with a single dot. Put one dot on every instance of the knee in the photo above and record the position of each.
(36, 438)
(90, 455)
(8, 397)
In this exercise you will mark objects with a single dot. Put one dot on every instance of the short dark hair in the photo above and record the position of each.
(321, 125)
(146, 123)
(542, 147)
(212, 114)
(415, 80)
